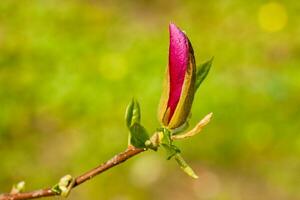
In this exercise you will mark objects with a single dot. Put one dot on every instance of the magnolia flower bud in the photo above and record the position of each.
(179, 87)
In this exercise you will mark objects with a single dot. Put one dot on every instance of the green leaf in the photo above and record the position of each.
(166, 142)
(171, 150)
(133, 113)
(138, 135)
(184, 166)
(174, 151)
(202, 72)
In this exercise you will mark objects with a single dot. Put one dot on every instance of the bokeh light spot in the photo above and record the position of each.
(208, 186)
(146, 170)
(272, 17)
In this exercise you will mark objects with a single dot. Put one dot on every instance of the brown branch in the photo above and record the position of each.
(117, 159)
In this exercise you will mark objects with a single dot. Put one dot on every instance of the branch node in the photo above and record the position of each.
(17, 188)
(64, 186)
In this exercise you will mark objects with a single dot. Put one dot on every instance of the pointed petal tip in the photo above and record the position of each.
(172, 26)
(174, 30)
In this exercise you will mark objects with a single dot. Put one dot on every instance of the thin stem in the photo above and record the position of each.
(117, 159)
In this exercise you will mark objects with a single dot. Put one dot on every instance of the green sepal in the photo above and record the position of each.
(202, 72)
(184, 166)
(133, 113)
(138, 135)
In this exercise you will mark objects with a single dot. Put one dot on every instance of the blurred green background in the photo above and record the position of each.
(69, 68)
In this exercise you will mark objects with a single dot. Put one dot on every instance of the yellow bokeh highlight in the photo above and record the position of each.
(272, 17)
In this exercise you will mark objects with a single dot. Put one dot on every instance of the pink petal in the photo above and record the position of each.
(178, 62)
